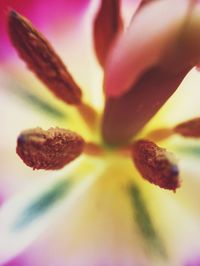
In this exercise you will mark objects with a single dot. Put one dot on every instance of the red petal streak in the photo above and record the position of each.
(107, 24)
(155, 164)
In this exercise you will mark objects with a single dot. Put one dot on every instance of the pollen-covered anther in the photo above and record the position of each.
(41, 58)
(156, 164)
(190, 128)
(49, 149)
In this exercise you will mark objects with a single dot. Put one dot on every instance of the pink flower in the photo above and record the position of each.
(106, 208)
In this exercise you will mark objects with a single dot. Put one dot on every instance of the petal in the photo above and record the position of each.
(97, 211)
(167, 213)
(19, 261)
(193, 261)
(124, 223)
(26, 216)
(107, 25)
(122, 220)
(141, 4)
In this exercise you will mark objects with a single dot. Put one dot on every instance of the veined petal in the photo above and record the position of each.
(101, 213)
(142, 45)
(19, 214)
(122, 220)
(25, 217)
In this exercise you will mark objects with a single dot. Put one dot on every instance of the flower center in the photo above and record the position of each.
(123, 116)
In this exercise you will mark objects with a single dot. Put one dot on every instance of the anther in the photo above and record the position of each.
(41, 58)
(43, 61)
(190, 128)
(49, 149)
(155, 164)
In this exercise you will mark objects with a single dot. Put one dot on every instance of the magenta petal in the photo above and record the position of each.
(19, 261)
(194, 262)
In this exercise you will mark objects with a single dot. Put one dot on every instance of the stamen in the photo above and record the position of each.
(91, 148)
(107, 24)
(160, 134)
(190, 128)
(88, 114)
(41, 58)
(49, 149)
(155, 164)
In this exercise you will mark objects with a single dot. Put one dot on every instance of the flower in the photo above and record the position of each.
(99, 210)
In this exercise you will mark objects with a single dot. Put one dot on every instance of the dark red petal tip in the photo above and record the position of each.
(107, 25)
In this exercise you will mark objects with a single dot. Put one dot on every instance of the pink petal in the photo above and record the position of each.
(19, 261)
(193, 262)
(141, 3)
(107, 24)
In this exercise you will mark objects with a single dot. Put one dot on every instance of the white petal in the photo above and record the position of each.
(26, 216)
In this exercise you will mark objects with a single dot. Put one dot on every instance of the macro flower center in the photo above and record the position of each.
(123, 116)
